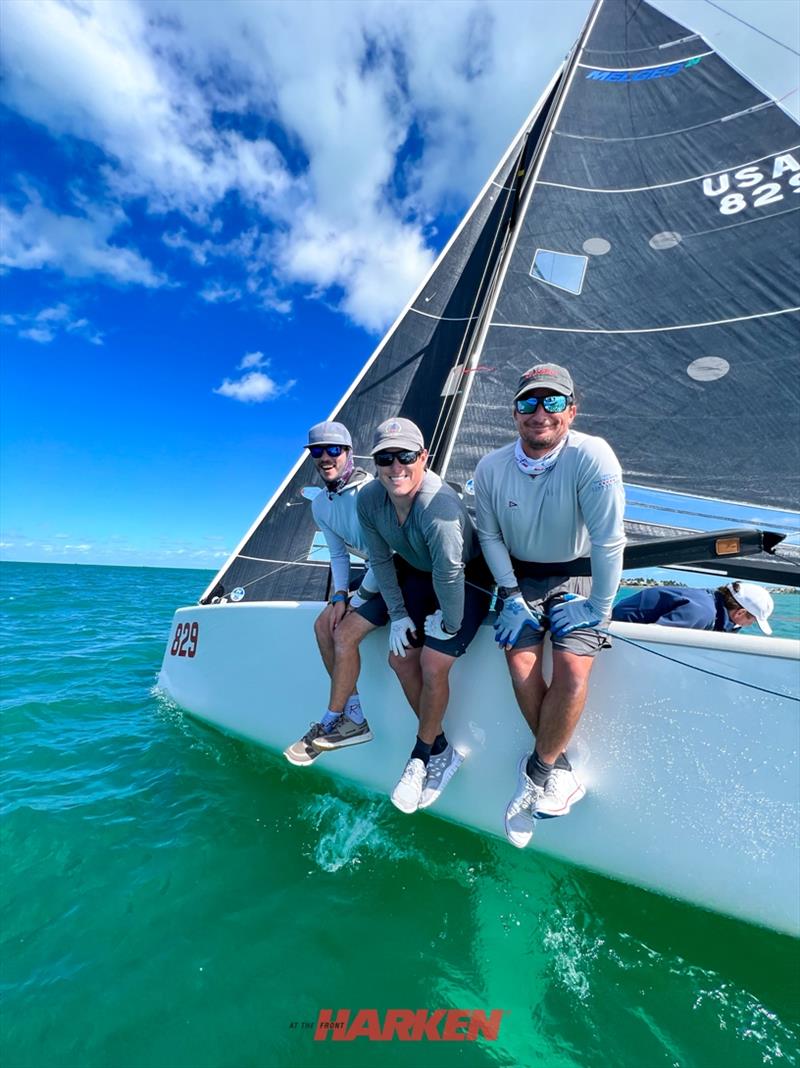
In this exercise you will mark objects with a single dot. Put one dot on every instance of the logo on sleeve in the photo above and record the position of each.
(606, 482)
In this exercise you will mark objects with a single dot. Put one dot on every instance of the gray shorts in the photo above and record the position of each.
(539, 594)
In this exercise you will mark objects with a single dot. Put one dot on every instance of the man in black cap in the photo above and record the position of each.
(433, 591)
(544, 504)
(343, 723)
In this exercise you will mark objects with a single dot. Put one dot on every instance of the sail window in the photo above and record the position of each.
(666, 239)
(708, 368)
(560, 269)
(596, 246)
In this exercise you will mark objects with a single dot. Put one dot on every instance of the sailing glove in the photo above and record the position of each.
(356, 600)
(515, 615)
(398, 635)
(571, 614)
(434, 627)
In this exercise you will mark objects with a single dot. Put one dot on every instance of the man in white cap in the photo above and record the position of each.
(343, 724)
(727, 608)
(433, 591)
(548, 506)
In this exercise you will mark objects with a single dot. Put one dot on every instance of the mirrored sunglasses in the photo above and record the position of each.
(332, 450)
(552, 405)
(403, 456)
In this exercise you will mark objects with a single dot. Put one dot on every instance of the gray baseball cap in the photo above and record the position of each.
(397, 434)
(545, 376)
(329, 433)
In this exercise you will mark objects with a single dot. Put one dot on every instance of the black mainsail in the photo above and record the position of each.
(642, 230)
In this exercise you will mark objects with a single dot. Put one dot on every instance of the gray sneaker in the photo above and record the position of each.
(302, 752)
(342, 733)
(441, 770)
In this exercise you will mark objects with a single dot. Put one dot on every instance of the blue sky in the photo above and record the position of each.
(210, 212)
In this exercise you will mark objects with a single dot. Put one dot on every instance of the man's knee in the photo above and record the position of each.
(349, 633)
(435, 665)
(571, 673)
(404, 665)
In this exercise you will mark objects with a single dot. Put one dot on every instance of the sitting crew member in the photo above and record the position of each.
(334, 510)
(433, 588)
(545, 501)
(731, 607)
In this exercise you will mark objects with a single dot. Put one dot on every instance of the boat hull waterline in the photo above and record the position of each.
(693, 782)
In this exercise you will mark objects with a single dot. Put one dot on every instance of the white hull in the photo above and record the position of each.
(693, 781)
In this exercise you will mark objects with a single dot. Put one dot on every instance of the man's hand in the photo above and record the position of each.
(336, 614)
(571, 614)
(356, 600)
(398, 635)
(515, 615)
(434, 627)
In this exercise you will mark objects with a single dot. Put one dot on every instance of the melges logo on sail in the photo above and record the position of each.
(645, 75)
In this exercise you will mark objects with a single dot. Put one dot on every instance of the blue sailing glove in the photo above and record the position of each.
(434, 627)
(572, 613)
(515, 615)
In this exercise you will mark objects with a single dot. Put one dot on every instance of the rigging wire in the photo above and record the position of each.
(750, 26)
(704, 671)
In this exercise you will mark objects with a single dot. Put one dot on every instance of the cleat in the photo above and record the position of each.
(406, 795)
(302, 752)
(520, 817)
(343, 733)
(561, 792)
(439, 772)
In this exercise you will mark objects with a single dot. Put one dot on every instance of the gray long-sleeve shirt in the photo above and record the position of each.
(574, 510)
(436, 536)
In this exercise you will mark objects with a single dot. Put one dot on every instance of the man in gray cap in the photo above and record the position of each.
(433, 591)
(343, 724)
(544, 504)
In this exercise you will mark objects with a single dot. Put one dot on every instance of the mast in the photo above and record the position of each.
(525, 191)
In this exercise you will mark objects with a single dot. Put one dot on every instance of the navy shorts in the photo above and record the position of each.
(420, 600)
(539, 595)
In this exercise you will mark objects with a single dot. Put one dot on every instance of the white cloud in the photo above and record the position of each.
(40, 334)
(214, 293)
(79, 246)
(44, 326)
(252, 359)
(161, 88)
(253, 388)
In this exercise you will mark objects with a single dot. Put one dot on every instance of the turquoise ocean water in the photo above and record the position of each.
(171, 897)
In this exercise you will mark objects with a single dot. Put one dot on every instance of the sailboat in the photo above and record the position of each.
(641, 229)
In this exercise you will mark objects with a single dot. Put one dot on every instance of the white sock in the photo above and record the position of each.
(353, 709)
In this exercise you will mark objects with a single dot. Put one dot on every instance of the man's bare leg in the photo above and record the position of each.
(347, 660)
(436, 667)
(409, 673)
(525, 668)
(563, 703)
(324, 635)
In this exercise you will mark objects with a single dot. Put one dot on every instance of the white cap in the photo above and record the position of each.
(756, 600)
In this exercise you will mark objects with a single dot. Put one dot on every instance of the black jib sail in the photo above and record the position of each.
(642, 231)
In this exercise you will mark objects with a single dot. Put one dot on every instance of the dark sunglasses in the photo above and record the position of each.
(405, 456)
(332, 450)
(552, 405)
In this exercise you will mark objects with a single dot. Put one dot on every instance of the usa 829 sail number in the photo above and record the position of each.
(185, 641)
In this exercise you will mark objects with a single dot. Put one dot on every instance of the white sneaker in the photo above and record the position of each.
(408, 791)
(561, 792)
(440, 771)
(520, 812)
